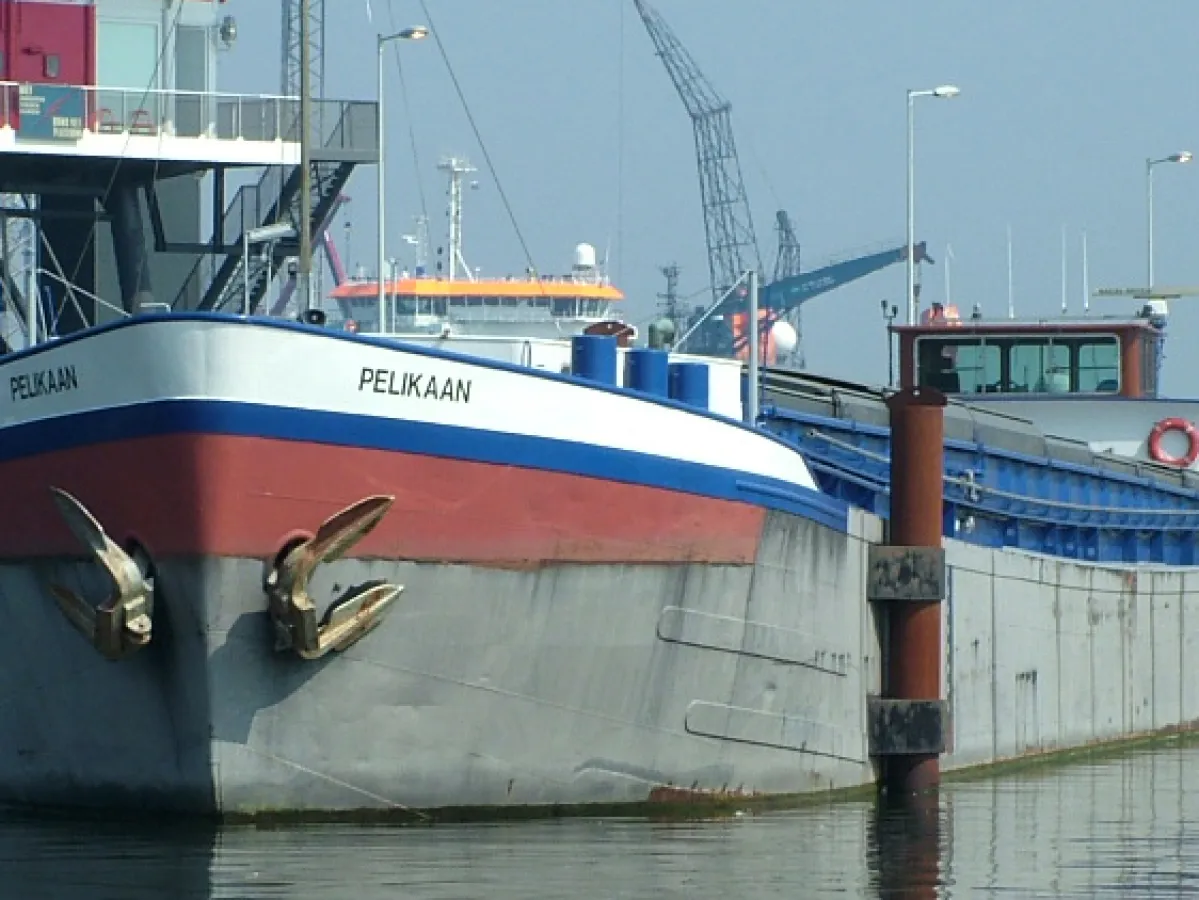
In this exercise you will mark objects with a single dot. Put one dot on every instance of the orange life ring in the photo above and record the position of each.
(1174, 424)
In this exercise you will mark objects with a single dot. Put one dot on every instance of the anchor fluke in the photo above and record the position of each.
(349, 618)
(123, 624)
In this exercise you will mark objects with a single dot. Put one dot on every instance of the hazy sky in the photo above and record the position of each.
(1061, 104)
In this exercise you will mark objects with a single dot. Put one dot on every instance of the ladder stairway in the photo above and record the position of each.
(269, 202)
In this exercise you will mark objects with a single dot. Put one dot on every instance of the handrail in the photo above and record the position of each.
(167, 92)
(976, 488)
(160, 112)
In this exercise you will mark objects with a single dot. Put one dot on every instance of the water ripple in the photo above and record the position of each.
(1118, 827)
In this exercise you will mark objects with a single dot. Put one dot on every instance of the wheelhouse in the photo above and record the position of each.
(1060, 357)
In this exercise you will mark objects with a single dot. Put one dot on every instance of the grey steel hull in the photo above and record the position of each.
(572, 686)
(554, 686)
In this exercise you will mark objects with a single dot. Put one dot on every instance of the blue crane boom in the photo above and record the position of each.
(780, 298)
(789, 293)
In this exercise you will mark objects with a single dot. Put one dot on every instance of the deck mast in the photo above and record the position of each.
(456, 168)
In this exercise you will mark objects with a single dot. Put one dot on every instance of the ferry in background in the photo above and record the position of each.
(548, 306)
(461, 302)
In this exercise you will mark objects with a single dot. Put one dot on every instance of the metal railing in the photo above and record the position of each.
(337, 124)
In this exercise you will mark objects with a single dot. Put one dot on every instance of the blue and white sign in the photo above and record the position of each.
(52, 112)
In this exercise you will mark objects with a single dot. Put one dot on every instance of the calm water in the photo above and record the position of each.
(1122, 827)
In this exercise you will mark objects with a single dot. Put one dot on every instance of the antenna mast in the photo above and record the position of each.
(1086, 276)
(1065, 283)
(1011, 294)
(421, 241)
(948, 286)
(671, 297)
(457, 168)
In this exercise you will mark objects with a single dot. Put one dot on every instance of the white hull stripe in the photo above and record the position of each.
(277, 363)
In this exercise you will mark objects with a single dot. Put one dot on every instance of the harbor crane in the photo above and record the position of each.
(732, 244)
(728, 221)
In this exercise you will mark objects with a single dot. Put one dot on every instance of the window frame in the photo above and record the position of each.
(1007, 343)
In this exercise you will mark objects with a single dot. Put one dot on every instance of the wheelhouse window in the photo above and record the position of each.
(957, 365)
(1099, 366)
(1019, 364)
(1039, 367)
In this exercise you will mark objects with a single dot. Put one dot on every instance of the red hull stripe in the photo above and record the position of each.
(242, 496)
(419, 439)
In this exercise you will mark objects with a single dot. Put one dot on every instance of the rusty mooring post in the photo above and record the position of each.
(907, 724)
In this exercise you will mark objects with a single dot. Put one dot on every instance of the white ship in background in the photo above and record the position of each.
(456, 299)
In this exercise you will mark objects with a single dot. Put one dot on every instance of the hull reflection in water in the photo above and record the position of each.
(1114, 826)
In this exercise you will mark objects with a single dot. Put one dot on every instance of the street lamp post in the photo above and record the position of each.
(415, 33)
(944, 91)
(391, 310)
(262, 235)
(1183, 156)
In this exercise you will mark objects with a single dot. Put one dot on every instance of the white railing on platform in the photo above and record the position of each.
(58, 112)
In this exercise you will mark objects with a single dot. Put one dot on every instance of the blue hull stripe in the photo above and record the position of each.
(340, 429)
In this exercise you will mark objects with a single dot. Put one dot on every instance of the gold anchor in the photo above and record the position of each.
(349, 618)
(121, 625)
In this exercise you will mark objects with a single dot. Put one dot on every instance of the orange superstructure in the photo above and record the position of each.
(549, 306)
(532, 289)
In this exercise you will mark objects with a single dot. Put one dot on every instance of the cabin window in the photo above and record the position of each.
(429, 306)
(1019, 364)
(1099, 366)
(128, 58)
(957, 366)
(1039, 366)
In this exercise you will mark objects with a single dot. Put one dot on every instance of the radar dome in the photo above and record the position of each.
(785, 337)
(584, 256)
